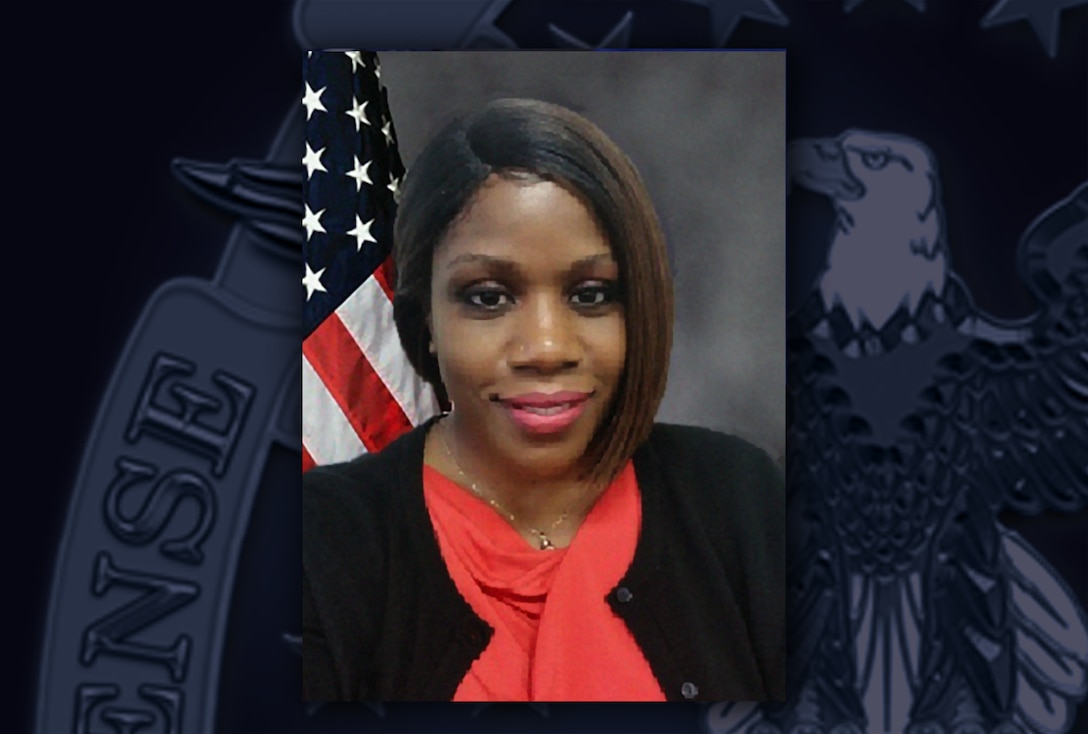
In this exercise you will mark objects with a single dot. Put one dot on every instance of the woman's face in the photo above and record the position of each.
(527, 325)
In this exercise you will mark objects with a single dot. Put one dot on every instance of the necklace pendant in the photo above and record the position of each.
(545, 544)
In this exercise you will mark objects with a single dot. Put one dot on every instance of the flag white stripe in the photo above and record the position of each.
(367, 314)
(326, 432)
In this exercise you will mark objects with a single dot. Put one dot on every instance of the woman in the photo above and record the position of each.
(543, 539)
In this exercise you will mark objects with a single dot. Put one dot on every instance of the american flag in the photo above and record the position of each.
(358, 390)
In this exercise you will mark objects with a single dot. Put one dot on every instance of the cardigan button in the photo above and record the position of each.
(689, 690)
(624, 595)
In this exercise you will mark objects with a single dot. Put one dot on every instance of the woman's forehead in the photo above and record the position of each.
(532, 223)
(515, 264)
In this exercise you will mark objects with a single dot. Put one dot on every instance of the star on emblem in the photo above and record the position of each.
(1041, 14)
(312, 281)
(618, 37)
(312, 100)
(484, 33)
(726, 14)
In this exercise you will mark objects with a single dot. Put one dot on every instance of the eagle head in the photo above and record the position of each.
(887, 247)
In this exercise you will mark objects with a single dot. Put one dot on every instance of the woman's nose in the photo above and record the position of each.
(544, 338)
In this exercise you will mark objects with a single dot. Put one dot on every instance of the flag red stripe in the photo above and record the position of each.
(384, 276)
(352, 382)
(308, 462)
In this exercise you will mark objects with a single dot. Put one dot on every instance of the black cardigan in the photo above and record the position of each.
(704, 596)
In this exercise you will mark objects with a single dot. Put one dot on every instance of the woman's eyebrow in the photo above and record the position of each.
(473, 257)
(591, 260)
(505, 264)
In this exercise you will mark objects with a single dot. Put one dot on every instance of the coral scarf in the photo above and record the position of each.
(556, 639)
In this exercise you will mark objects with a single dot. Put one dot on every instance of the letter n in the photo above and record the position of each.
(111, 633)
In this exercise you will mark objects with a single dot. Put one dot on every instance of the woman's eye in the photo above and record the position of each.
(593, 296)
(495, 299)
(489, 299)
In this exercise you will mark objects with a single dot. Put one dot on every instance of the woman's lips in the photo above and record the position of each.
(545, 399)
(543, 413)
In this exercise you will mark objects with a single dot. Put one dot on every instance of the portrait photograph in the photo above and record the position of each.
(543, 411)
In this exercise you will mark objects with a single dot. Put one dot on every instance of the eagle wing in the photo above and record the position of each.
(1009, 416)
(265, 195)
(1026, 399)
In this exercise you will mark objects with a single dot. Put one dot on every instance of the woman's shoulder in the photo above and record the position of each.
(334, 488)
(346, 476)
(344, 493)
(344, 507)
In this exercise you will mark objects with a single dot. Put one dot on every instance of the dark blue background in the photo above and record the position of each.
(101, 97)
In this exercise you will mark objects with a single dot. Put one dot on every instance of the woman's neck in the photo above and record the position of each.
(537, 501)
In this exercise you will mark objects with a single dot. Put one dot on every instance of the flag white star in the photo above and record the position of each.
(387, 131)
(312, 100)
(312, 161)
(357, 113)
(377, 70)
(356, 59)
(362, 233)
(394, 186)
(359, 174)
(312, 221)
(312, 281)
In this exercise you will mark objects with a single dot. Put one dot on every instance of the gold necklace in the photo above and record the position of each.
(542, 535)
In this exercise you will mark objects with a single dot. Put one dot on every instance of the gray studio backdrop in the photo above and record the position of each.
(707, 132)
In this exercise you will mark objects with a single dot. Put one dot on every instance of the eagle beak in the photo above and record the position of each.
(820, 165)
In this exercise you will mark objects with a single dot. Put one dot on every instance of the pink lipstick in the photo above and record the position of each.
(544, 413)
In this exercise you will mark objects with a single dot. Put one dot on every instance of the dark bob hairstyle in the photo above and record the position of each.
(527, 139)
